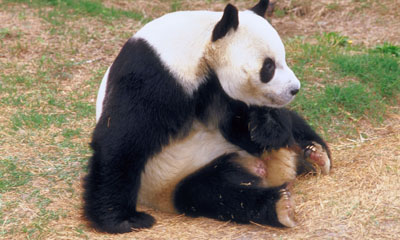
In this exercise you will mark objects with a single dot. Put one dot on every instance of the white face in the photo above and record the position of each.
(253, 48)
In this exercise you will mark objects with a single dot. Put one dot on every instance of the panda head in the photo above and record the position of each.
(248, 57)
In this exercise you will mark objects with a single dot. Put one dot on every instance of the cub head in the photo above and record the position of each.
(248, 57)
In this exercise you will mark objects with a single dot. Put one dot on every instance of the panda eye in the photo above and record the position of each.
(267, 70)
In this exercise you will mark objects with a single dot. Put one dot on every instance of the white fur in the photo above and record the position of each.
(100, 95)
(247, 48)
(176, 161)
(180, 39)
(183, 41)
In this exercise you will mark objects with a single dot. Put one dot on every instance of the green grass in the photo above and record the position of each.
(12, 175)
(176, 5)
(356, 99)
(279, 13)
(340, 106)
(371, 82)
(380, 71)
(83, 109)
(388, 48)
(14, 100)
(69, 133)
(333, 39)
(36, 120)
(84, 8)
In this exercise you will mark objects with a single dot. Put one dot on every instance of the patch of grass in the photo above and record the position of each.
(4, 33)
(381, 72)
(388, 48)
(35, 120)
(52, 100)
(14, 100)
(176, 5)
(69, 133)
(19, 48)
(333, 39)
(279, 13)
(339, 108)
(11, 175)
(81, 232)
(329, 100)
(333, 6)
(5, 218)
(39, 225)
(355, 100)
(63, 8)
(83, 109)
(26, 80)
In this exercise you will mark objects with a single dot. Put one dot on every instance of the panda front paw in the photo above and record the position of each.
(316, 154)
(138, 220)
(141, 220)
(270, 129)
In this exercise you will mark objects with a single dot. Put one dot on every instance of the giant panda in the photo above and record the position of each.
(190, 119)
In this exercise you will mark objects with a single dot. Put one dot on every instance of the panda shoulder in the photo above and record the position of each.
(180, 39)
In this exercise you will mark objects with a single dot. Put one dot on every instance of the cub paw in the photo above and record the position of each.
(268, 129)
(285, 209)
(317, 155)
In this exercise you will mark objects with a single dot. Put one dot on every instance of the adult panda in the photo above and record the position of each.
(188, 120)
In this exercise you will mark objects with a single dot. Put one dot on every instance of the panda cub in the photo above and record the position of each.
(190, 120)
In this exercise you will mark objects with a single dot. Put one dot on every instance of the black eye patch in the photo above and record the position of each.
(268, 70)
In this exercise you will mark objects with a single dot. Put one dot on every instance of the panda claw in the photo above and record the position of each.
(318, 155)
(285, 209)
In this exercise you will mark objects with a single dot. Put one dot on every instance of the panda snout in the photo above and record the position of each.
(294, 91)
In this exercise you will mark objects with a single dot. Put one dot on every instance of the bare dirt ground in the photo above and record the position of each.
(360, 199)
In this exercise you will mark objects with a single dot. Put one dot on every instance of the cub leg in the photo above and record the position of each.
(226, 190)
(275, 167)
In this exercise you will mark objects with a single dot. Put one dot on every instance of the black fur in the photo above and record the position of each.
(144, 107)
(236, 119)
(271, 128)
(223, 190)
(260, 8)
(230, 20)
(267, 71)
(217, 190)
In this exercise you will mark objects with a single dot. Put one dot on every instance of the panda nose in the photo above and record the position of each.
(294, 91)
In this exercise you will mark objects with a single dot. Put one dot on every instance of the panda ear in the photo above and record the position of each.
(260, 8)
(229, 20)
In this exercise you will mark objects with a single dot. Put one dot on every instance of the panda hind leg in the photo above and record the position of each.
(226, 190)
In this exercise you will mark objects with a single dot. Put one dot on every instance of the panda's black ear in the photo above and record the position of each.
(260, 8)
(229, 20)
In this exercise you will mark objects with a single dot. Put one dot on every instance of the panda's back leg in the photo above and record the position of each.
(225, 190)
